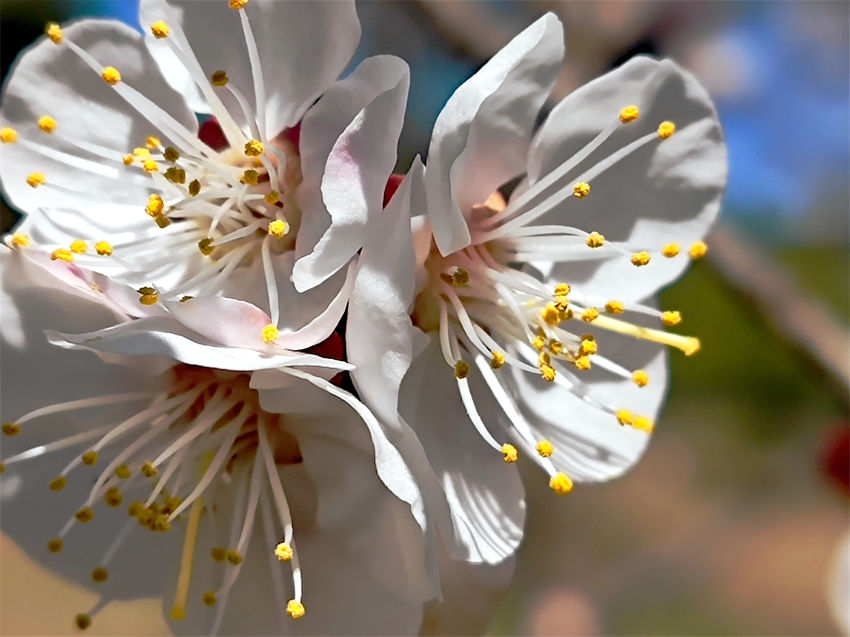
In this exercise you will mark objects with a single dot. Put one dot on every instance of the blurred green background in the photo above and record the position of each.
(731, 523)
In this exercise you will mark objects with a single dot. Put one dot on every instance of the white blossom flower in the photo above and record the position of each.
(103, 152)
(246, 474)
(537, 309)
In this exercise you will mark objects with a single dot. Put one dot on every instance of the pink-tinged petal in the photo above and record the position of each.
(356, 167)
(302, 46)
(222, 320)
(668, 191)
(482, 135)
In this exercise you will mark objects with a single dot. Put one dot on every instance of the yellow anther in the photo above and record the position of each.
(560, 483)
(141, 153)
(670, 250)
(642, 423)
(127, 159)
(160, 29)
(150, 166)
(624, 417)
(555, 346)
(550, 314)
(171, 154)
(148, 296)
(210, 598)
(283, 552)
(155, 205)
(538, 342)
(547, 373)
(47, 123)
(162, 221)
(186, 297)
(100, 574)
(666, 129)
(545, 449)
(110, 75)
(103, 248)
(509, 452)
(61, 254)
(272, 197)
(640, 258)
(562, 289)
(698, 250)
(233, 557)
(36, 179)
(595, 240)
(294, 609)
(161, 523)
(461, 369)
(89, 458)
(237, 4)
(250, 177)
(113, 497)
(54, 32)
(20, 240)
(82, 621)
(459, 277)
(270, 333)
(148, 470)
(582, 363)
(219, 78)
(218, 554)
(278, 228)
(581, 190)
(254, 148)
(8, 135)
(11, 428)
(205, 247)
(84, 515)
(629, 114)
(55, 545)
(194, 187)
(58, 483)
(175, 175)
(497, 359)
(78, 246)
(590, 315)
(671, 317)
(153, 142)
(640, 377)
(588, 347)
(135, 508)
(122, 471)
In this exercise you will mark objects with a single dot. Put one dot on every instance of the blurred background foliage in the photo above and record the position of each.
(731, 523)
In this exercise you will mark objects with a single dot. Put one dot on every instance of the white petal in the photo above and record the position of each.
(348, 150)
(302, 46)
(52, 80)
(669, 191)
(482, 135)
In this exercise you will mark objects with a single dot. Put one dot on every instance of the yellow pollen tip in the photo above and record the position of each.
(582, 363)
(640, 258)
(538, 342)
(294, 609)
(545, 449)
(254, 148)
(82, 621)
(150, 166)
(595, 240)
(47, 123)
(629, 114)
(640, 378)
(270, 333)
(219, 78)
(590, 315)
(698, 250)
(110, 75)
(148, 470)
(122, 471)
(84, 515)
(55, 545)
(278, 228)
(671, 318)
(89, 458)
(113, 497)
(509, 452)
(562, 289)
(194, 187)
(141, 152)
(233, 557)
(666, 129)
(498, 359)
(20, 240)
(127, 159)
(78, 246)
(11, 428)
(547, 372)
(100, 574)
(283, 552)
(171, 154)
(272, 197)
(61, 254)
(250, 177)
(148, 296)
(588, 347)
(36, 179)
(459, 277)
(670, 250)
(218, 554)
(160, 29)
(615, 307)
(642, 423)
(209, 598)
(581, 190)
(55, 33)
(155, 205)
(550, 314)
(153, 142)
(205, 247)
(461, 370)
(237, 4)
(624, 417)
(560, 483)
(8, 135)
(555, 346)
(103, 248)
(58, 483)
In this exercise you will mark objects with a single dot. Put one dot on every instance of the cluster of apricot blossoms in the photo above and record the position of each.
(308, 380)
